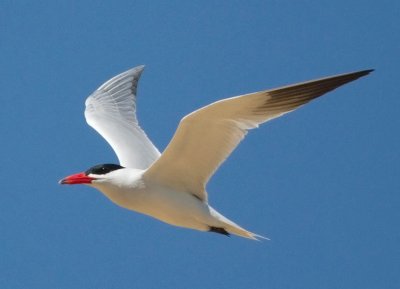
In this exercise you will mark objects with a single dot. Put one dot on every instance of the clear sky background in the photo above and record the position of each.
(322, 182)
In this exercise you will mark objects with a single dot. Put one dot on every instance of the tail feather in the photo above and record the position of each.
(229, 227)
(239, 231)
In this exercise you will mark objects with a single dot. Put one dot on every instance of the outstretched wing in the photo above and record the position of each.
(206, 137)
(111, 111)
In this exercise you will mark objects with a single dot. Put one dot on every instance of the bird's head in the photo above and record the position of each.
(97, 174)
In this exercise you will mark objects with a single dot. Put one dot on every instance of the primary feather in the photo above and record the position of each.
(206, 137)
(111, 111)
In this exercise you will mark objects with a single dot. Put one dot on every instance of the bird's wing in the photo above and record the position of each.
(206, 137)
(111, 111)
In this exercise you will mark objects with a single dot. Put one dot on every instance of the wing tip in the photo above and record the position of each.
(139, 67)
(134, 70)
(350, 76)
(363, 72)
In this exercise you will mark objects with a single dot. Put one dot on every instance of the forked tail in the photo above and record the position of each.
(227, 227)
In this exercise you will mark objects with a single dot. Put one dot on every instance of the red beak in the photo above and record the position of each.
(80, 178)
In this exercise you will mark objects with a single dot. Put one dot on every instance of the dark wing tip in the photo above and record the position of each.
(118, 82)
(361, 72)
(367, 71)
(287, 98)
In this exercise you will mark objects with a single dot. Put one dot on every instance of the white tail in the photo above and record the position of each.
(234, 228)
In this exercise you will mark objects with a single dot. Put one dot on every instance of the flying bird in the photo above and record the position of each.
(171, 186)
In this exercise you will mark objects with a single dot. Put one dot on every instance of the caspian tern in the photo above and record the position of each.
(171, 186)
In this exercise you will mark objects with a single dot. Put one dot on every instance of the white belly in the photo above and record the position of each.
(175, 208)
(128, 189)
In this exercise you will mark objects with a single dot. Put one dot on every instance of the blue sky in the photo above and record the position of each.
(322, 182)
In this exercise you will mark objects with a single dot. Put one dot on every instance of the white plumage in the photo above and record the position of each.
(111, 110)
(172, 186)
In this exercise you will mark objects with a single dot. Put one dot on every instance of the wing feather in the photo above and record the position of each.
(111, 111)
(206, 137)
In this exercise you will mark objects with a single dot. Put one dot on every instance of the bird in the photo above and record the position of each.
(171, 186)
